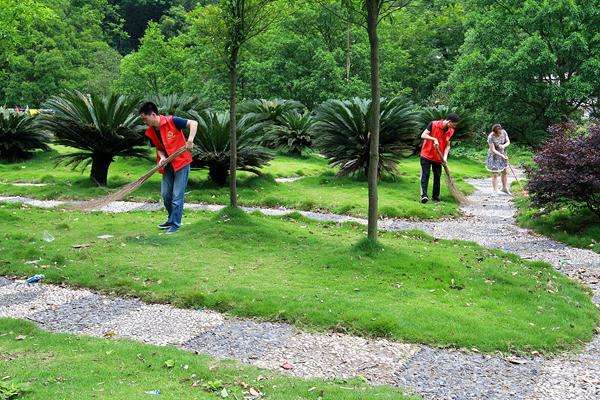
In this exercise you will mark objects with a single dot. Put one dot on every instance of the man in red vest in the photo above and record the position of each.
(434, 153)
(166, 134)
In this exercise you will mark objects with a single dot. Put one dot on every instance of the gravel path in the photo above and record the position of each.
(432, 373)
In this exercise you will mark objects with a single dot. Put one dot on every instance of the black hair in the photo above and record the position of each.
(453, 117)
(148, 108)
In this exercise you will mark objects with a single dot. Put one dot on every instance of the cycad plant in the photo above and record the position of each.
(211, 148)
(20, 135)
(465, 128)
(269, 110)
(178, 104)
(102, 127)
(293, 133)
(344, 134)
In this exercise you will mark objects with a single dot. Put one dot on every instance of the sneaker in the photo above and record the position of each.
(424, 199)
(171, 230)
(164, 225)
(436, 200)
(506, 192)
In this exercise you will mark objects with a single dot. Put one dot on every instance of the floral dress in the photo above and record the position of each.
(494, 162)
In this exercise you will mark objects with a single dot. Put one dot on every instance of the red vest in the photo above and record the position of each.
(437, 131)
(173, 139)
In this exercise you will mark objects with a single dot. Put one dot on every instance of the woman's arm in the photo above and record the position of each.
(496, 152)
(505, 145)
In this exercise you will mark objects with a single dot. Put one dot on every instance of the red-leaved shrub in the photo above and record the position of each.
(567, 171)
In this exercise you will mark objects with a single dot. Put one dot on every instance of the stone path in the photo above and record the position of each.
(432, 373)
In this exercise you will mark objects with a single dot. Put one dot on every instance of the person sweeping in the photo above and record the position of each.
(434, 153)
(497, 160)
(166, 134)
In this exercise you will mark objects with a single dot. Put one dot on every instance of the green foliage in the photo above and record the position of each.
(20, 135)
(178, 104)
(211, 148)
(11, 390)
(101, 126)
(155, 69)
(528, 64)
(51, 46)
(269, 110)
(344, 134)
(464, 130)
(293, 133)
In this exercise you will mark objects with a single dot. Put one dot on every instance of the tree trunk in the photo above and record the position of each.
(348, 49)
(372, 21)
(99, 172)
(233, 60)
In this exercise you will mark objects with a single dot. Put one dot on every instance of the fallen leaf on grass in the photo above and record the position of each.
(81, 246)
(20, 337)
(109, 334)
(254, 392)
(169, 363)
(105, 237)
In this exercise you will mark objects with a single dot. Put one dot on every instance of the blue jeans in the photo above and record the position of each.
(172, 190)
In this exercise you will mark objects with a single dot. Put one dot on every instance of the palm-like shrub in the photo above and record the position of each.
(178, 104)
(211, 148)
(269, 110)
(465, 129)
(293, 133)
(344, 134)
(102, 127)
(20, 135)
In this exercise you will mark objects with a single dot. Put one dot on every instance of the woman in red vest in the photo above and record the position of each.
(434, 153)
(166, 134)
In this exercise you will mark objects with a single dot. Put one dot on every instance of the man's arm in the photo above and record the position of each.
(426, 135)
(193, 127)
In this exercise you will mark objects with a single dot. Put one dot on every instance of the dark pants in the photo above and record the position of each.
(426, 166)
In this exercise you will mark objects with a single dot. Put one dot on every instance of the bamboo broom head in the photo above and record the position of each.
(98, 203)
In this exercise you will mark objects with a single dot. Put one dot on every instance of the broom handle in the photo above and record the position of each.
(437, 149)
(167, 161)
(513, 172)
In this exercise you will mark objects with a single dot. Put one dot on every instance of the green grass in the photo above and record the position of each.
(59, 366)
(314, 275)
(578, 228)
(318, 190)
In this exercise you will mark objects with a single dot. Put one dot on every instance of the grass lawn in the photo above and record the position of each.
(60, 366)
(579, 228)
(318, 190)
(446, 293)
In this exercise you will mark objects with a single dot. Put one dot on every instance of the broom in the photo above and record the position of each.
(125, 190)
(457, 194)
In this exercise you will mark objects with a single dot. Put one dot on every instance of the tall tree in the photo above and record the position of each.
(369, 14)
(229, 25)
(543, 68)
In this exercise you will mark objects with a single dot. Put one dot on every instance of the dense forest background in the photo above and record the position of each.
(526, 64)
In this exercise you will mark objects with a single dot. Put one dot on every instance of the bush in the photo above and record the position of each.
(178, 104)
(465, 129)
(293, 133)
(344, 134)
(211, 148)
(269, 112)
(103, 127)
(20, 135)
(567, 169)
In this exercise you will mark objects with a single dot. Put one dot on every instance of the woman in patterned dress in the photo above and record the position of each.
(497, 161)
